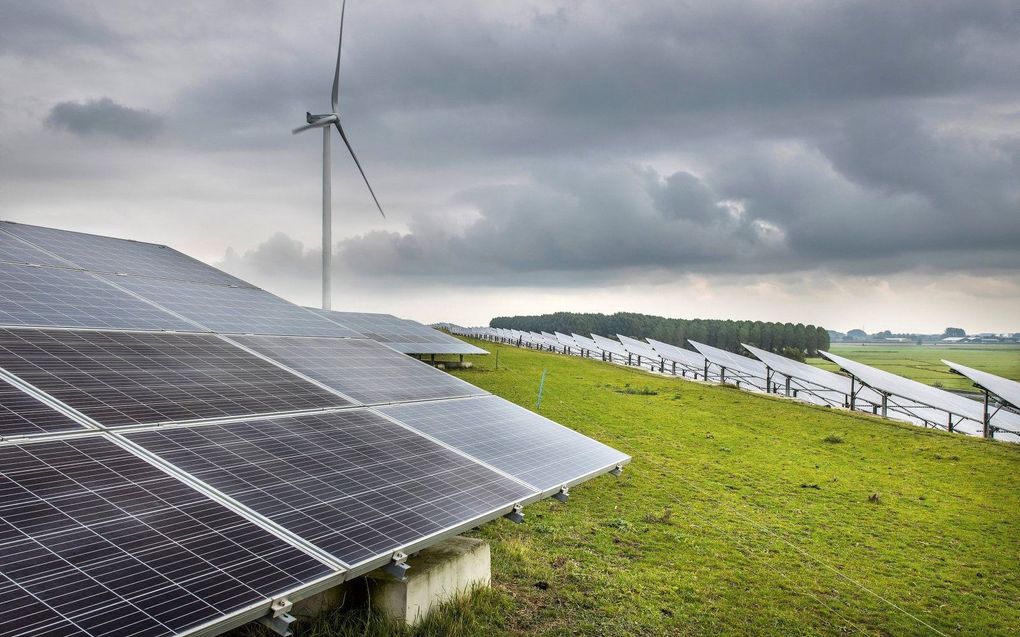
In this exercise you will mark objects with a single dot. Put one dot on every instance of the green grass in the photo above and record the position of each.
(741, 514)
(923, 363)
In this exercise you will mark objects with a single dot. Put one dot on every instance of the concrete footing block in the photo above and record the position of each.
(437, 574)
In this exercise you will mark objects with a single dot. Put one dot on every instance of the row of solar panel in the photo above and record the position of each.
(95, 539)
(103, 283)
(154, 482)
(864, 389)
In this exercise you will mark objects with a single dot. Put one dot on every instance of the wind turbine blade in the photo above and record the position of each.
(357, 163)
(339, 50)
(301, 129)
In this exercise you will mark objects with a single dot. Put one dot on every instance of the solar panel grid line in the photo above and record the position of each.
(237, 343)
(198, 326)
(18, 250)
(109, 532)
(450, 447)
(47, 296)
(114, 256)
(120, 379)
(323, 510)
(121, 439)
(232, 309)
(84, 422)
(361, 368)
(541, 452)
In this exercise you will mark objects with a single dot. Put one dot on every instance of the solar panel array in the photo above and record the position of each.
(525, 445)
(96, 541)
(14, 250)
(403, 335)
(119, 256)
(232, 310)
(23, 415)
(60, 297)
(178, 447)
(129, 378)
(353, 483)
(871, 390)
(362, 369)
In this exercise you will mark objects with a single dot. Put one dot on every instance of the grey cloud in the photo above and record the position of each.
(38, 28)
(104, 117)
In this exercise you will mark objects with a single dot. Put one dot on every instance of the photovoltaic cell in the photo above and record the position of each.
(55, 297)
(360, 368)
(14, 250)
(106, 254)
(353, 483)
(21, 414)
(95, 541)
(512, 439)
(403, 335)
(128, 378)
(232, 310)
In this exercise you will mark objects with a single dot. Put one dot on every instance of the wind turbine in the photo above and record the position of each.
(326, 121)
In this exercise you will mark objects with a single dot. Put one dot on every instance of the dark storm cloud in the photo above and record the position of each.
(40, 28)
(103, 117)
(580, 137)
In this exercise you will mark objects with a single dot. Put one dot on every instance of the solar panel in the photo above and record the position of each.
(833, 389)
(14, 250)
(691, 360)
(22, 415)
(512, 439)
(356, 485)
(609, 345)
(57, 297)
(1007, 390)
(233, 310)
(96, 541)
(587, 343)
(638, 348)
(106, 254)
(127, 378)
(914, 397)
(403, 335)
(737, 367)
(360, 368)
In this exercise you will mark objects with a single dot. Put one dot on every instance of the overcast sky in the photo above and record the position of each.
(849, 164)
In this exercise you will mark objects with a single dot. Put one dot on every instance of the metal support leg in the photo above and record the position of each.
(397, 568)
(516, 515)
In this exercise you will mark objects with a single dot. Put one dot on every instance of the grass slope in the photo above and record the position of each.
(742, 515)
(923, 363)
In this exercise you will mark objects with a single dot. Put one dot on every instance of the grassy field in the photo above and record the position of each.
(923, 363)
(742, 514)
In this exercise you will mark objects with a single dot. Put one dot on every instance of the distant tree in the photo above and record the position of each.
(724, 334)
(856, 335)
(793, 353)
(955, 332)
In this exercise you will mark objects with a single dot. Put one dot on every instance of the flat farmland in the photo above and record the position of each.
(923, 363)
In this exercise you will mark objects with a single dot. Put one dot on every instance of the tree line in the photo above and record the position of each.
(791, 339)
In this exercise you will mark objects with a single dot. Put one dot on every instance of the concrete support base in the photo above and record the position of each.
(437, 574)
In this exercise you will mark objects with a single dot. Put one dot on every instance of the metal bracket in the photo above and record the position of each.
(397, 568)
(280, 622)
(564, 494)
(517, 515)
(617, 470)
(281, 606)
